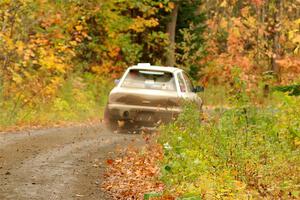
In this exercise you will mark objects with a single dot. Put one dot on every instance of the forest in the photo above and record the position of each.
(59, 59)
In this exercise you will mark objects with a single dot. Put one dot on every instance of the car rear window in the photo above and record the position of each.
(148, 79)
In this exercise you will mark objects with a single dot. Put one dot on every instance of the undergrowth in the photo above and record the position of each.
(79, 98)
(245, 152)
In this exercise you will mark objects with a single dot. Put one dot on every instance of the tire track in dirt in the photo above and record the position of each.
(57, 163)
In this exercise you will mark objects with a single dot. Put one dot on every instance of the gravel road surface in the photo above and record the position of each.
(57, 163)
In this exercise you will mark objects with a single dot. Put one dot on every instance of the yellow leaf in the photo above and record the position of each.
(245, 11)
(223, 23)
(73, 43)
(224, 4)
(9, 42)
(297, 49)
(296, 39)
(297, 142)
(78, 28)
(96, 69)
(291, 34)
(171, 5)
(20, 47)
(17, 78)
(251, 21)
(236, 32)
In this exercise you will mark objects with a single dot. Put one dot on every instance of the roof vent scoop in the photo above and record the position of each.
(144, 65)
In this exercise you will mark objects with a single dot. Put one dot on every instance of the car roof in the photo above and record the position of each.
(156, 68)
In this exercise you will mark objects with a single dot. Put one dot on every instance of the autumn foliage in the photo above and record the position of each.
(259, 37)
(45, 45)
(133, 173)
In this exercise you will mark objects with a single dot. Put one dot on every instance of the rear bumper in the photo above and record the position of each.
(142, 113)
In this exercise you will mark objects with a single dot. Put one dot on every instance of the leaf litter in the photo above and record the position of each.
(134, 172)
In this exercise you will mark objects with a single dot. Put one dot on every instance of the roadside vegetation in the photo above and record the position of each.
(79, 99)
(245, 152)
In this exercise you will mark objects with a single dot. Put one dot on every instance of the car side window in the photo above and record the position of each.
(188, 82)
(181, 83)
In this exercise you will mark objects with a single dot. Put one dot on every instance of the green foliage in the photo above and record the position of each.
(242, 152)
(293, 90)
(121, 33)
(215, 95)
(190, 51)
(189, 38)
(148, 196)
(78, 99)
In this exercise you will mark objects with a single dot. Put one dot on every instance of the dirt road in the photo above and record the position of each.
(57, 163)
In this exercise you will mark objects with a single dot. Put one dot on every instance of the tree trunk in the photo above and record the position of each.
(171, 30)
(275, 39)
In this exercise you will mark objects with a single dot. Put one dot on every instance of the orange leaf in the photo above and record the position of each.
(109, 161)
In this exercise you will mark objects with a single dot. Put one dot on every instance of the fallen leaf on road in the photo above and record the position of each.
(133, 174)
(109, 161)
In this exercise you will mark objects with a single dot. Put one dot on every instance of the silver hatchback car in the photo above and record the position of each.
(148, 95)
